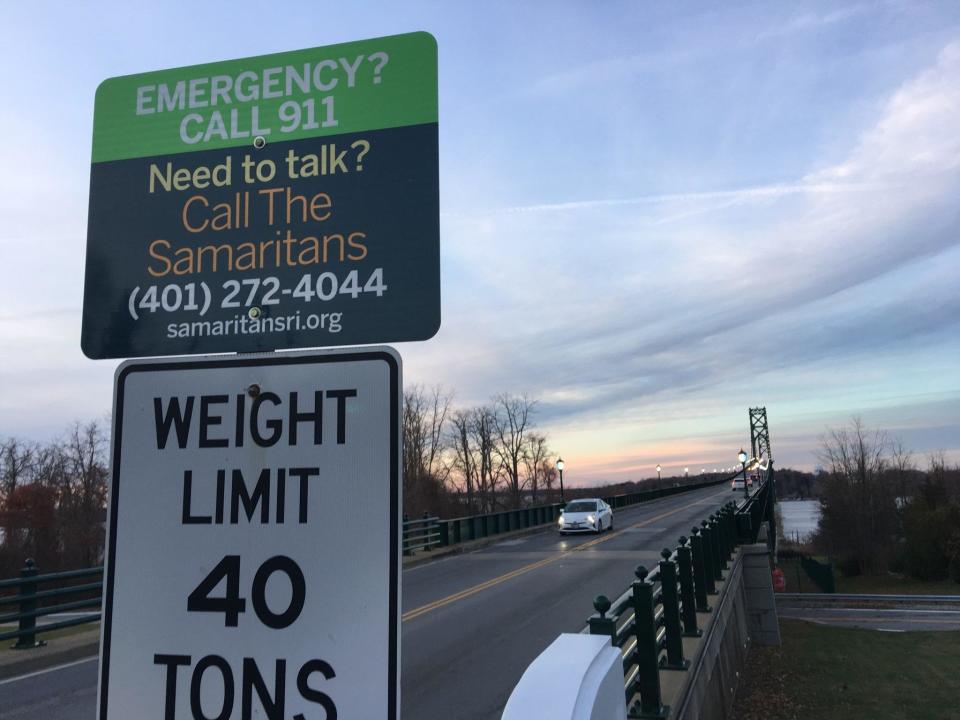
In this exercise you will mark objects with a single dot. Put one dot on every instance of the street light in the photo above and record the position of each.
(742, 457)
(560, 470)
(686, 472)
(658, 472)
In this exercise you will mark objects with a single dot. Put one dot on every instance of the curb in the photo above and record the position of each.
(14, 663)
(460, 548)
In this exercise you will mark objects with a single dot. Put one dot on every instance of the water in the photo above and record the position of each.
(799, 518)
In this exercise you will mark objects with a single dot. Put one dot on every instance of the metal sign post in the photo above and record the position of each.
(253, 559)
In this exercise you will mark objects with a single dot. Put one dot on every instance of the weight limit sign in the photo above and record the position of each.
(252, 567)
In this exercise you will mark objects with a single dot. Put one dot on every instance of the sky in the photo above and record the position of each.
(653, 215)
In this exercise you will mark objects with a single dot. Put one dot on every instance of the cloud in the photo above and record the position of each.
(764, 192)
(610, 71)
(808, 22)
(620, 304)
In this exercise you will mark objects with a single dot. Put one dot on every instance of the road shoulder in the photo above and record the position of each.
(59, 651)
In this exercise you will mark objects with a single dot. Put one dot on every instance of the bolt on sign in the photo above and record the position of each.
(280, 201)
(247, 574)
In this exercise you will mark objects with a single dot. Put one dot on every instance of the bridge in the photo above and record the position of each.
(473, 621)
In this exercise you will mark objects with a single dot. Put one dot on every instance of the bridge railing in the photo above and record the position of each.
(475, 527)
(422, 534)
(32, 602)
(758, 508)
(649, 620)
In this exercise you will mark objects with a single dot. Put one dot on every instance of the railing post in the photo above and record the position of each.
(28, 605)
(701, 579)
(710, 555)
(648, 651)
(724, 545)
(727, 538)
(406, 541)
(603, 625)
(671, 612)
(732, 526)
(688, 602)
(718, 564)
(771, 481)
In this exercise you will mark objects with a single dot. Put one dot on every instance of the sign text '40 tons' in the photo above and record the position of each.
(256, 476)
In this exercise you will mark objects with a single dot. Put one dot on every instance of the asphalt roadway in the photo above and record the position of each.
(472, 623)
(874, 613)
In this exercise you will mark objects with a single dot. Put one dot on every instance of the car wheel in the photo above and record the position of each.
(611, 525)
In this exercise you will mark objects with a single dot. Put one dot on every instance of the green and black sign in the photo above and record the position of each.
(281, 201)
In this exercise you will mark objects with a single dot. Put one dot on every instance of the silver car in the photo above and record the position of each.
(588, 515)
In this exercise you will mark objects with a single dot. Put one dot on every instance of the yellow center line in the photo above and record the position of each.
(429, 607)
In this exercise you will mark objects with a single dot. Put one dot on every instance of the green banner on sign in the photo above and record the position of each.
(353, 87)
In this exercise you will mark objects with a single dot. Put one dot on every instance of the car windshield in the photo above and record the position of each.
(581, 506)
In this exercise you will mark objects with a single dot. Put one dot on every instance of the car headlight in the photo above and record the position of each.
(560, 521)
(590, 519)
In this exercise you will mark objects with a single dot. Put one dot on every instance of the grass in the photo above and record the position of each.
(889, 584)
(50, 637)
(832, 673)
(892, 584)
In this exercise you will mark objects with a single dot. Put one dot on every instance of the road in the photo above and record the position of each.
(875, 612)
(473, 622)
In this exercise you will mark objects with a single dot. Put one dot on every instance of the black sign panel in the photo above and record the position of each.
(335, 258)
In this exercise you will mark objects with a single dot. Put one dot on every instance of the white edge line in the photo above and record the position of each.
(49, 670)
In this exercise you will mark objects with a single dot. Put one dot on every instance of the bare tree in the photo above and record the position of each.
(933, 489)
(489, 467)
(901, 465)
(513, 420)
(548, 474)
(83, 493)
(859, 516)
(535, 460)
(16, 458)
(464, 455)
(424, 417)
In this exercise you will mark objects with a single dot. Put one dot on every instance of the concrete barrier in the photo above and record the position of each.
(578, 677)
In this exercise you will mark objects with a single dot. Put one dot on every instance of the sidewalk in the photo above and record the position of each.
(58, 651)
(425, 556)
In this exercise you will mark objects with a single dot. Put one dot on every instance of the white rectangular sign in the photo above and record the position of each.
(253, 559)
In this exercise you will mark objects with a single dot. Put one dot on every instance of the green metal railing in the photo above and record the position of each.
(33, 603)
(649, 620)
(475, 527)
(757, 509)
(422, 534)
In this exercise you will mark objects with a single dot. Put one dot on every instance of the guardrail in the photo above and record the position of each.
(31, 602)
(870, 600)
(422, 534)
(475, 527)
(649, 620)
(758, 508)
